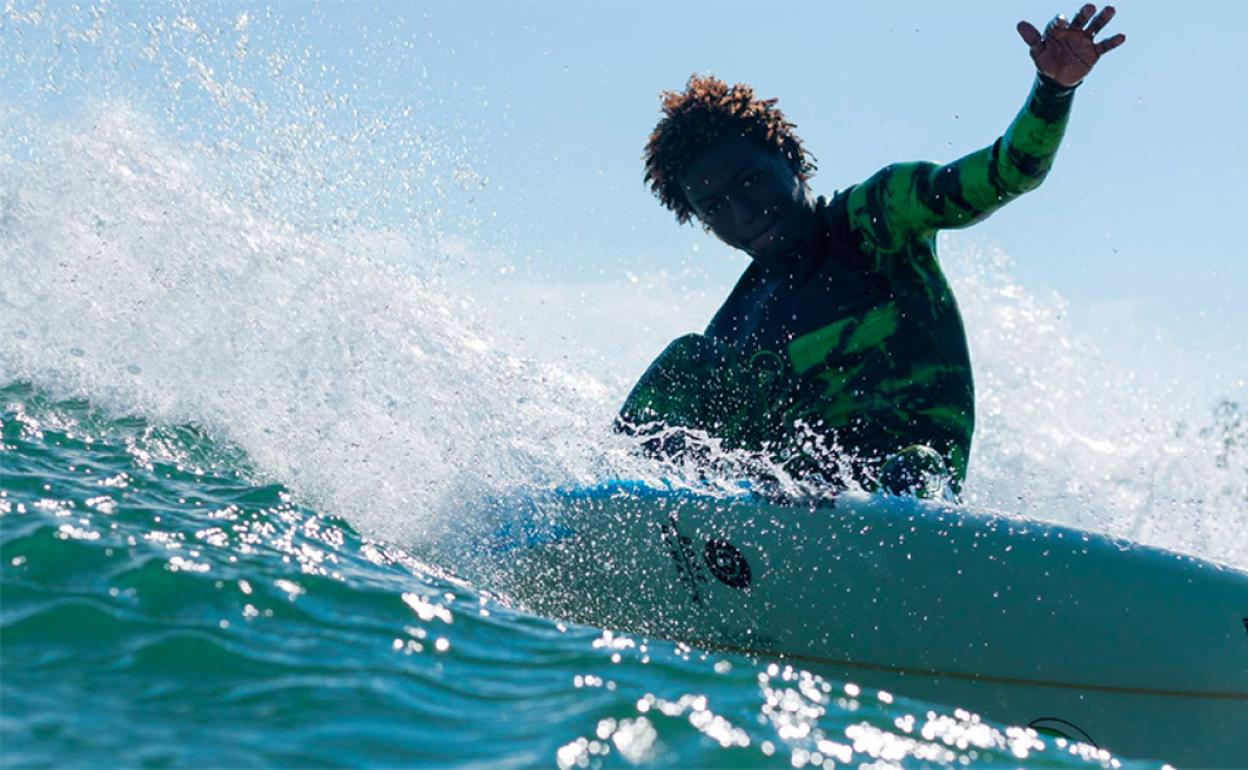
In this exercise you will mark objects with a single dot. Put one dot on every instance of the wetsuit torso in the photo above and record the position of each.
(859, 340)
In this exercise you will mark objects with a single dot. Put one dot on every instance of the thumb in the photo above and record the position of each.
(1030, 35)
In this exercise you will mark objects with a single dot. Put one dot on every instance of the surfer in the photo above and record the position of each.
(841, 350)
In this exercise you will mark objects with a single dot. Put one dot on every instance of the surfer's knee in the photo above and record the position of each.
(692, 348)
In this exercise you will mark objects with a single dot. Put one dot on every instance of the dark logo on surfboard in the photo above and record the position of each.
(688, 569)
(727, 563)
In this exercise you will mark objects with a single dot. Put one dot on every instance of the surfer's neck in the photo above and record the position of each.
(795, 261)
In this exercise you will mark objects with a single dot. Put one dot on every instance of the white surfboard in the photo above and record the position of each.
(1135, 649)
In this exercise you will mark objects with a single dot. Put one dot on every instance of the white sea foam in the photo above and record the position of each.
(364, 386)
(1098, 426)
(181, 275)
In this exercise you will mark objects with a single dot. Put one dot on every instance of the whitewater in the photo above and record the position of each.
(256, 379)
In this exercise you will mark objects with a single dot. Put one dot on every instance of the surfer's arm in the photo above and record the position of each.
(918, 198)
(909, 200)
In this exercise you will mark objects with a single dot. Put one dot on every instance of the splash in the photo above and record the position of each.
(1080, 425)
(257, 248)
(356, 380)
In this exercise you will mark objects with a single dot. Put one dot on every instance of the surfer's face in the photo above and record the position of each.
(750, 197)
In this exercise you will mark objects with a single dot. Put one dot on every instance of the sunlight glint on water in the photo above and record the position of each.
(283, 397)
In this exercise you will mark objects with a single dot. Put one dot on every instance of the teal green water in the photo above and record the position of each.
(282, 227)
(161, 608)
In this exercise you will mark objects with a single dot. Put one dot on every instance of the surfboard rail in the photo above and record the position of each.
(1022, 620)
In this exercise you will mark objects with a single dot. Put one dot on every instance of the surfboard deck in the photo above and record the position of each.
(1137, 649)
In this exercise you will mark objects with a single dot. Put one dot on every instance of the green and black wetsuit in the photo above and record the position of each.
(859, 350)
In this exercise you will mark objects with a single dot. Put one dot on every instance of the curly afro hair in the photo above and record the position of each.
(700, 115)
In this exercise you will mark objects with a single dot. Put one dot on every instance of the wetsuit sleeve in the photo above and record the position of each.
(906, 199)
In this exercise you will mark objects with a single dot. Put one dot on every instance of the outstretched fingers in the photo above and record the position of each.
(1082, 16)
(1110, 44)
(1101, 20)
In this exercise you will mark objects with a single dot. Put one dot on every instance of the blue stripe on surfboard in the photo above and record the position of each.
(644, 490)
(523, 531)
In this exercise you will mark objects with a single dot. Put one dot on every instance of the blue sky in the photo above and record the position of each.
(1141, 214)
(548, 106)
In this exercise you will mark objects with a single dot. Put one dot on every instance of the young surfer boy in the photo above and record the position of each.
(841, 348)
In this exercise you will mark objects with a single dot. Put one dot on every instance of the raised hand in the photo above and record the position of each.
(1066, 52)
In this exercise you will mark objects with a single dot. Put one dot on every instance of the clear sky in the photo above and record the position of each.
(1141, 214)
(549, 105)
